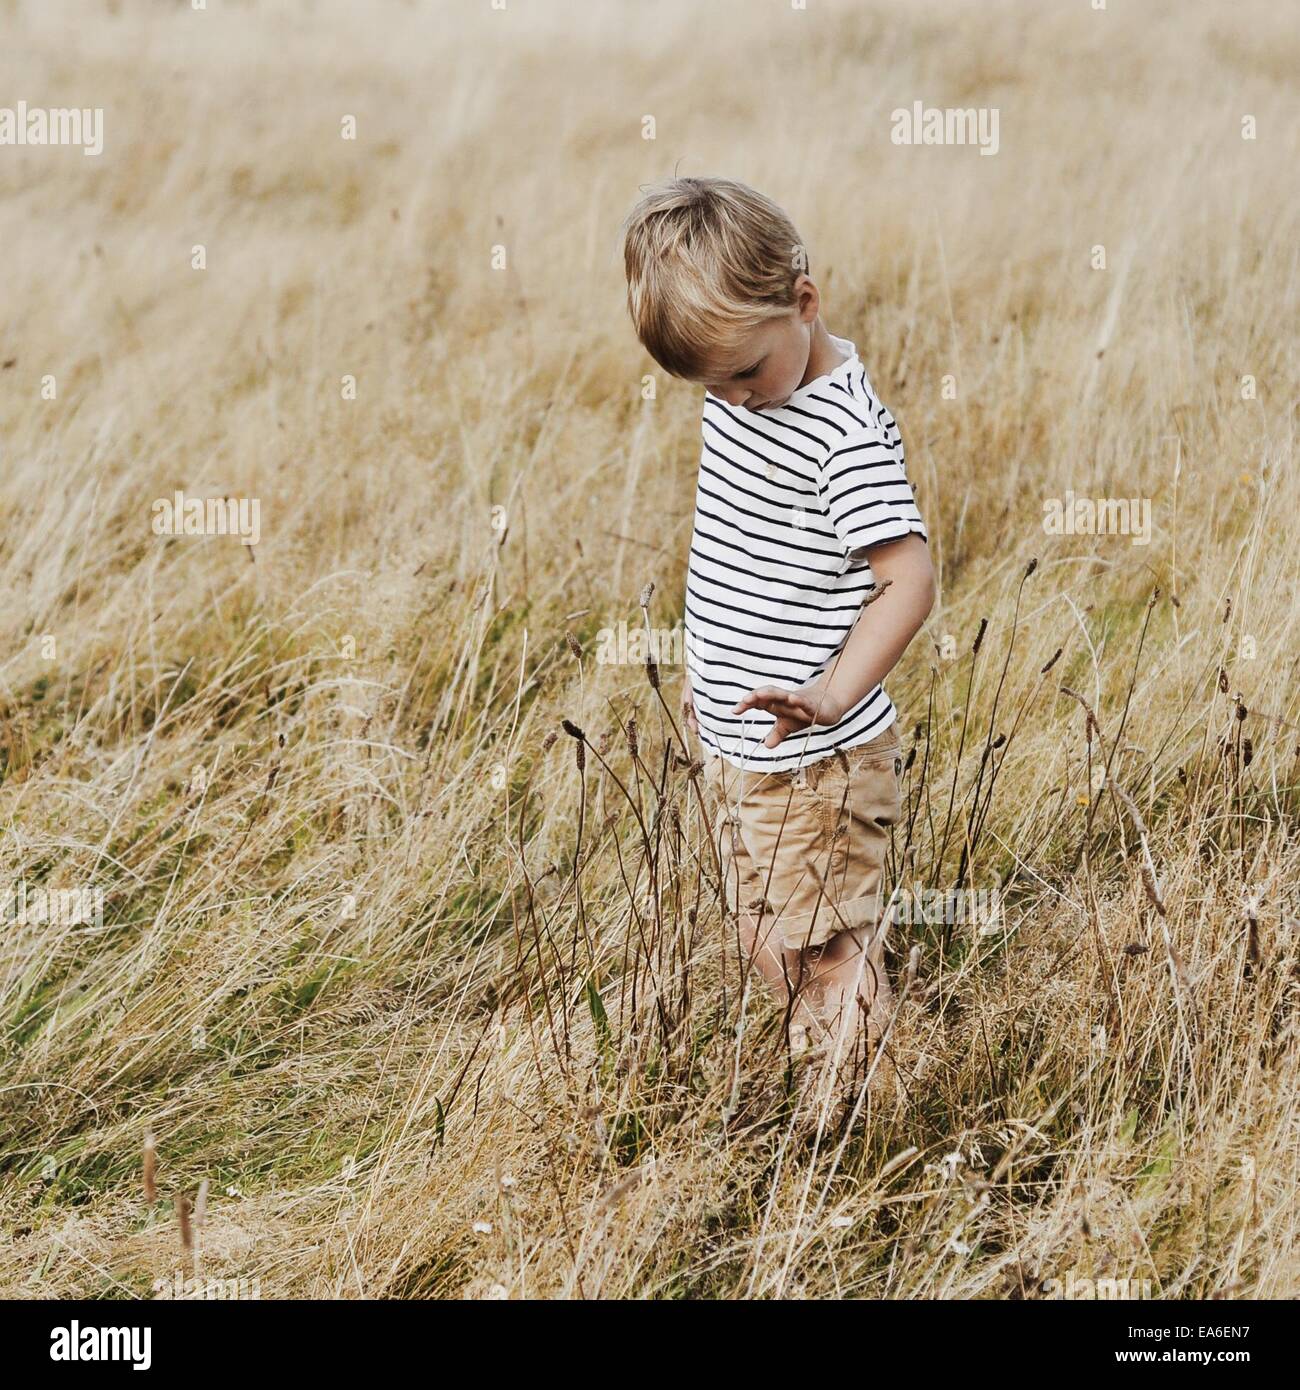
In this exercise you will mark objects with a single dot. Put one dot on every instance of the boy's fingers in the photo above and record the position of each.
(779, 732)
(792, 707)
(765, 696)
(794, 713)
(763, 692)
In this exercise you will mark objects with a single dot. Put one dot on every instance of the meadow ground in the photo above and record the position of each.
(406, 1000)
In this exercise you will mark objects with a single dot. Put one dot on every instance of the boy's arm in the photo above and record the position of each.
(878, 638)
(884, 627)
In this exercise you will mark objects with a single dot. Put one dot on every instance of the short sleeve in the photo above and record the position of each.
(866, 492)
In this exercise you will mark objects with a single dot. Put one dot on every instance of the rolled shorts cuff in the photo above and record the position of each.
(802, 930)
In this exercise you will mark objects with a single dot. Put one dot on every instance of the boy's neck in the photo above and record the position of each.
(824, 356)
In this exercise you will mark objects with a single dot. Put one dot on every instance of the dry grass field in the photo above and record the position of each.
(399, 989)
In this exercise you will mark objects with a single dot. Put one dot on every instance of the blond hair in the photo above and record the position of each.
(706, 260)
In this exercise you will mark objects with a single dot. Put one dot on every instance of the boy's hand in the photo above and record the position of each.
(794, 709)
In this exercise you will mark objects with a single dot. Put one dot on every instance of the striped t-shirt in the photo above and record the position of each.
(786, 500)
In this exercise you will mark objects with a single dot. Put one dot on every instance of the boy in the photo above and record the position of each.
(809, 573)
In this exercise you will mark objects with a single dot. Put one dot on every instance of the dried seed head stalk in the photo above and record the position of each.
(910, 973)
(1252, 930)
(150, 1169)
(1092, 725)
(183, 1217)
(1182, 984)
(875, 592)
(1149, 880)
(576, 733)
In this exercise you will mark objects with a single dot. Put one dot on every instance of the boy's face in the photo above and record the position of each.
(772, 361)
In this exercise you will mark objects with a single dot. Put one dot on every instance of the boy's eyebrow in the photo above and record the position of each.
(703, 375)
(744, 371)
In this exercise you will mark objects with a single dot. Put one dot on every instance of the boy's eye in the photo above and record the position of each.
(749, 371)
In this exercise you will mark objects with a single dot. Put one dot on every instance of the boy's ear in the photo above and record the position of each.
(805, 284)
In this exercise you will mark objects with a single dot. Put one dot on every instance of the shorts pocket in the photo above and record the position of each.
(836, 771)
(860, 805)
(885, 750)
(864, 788)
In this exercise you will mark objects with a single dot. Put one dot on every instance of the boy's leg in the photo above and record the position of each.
(787, 972)
(863, 799)
(852, 987)
(761, 826)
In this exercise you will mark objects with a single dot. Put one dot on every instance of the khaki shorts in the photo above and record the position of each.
(807, 846)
